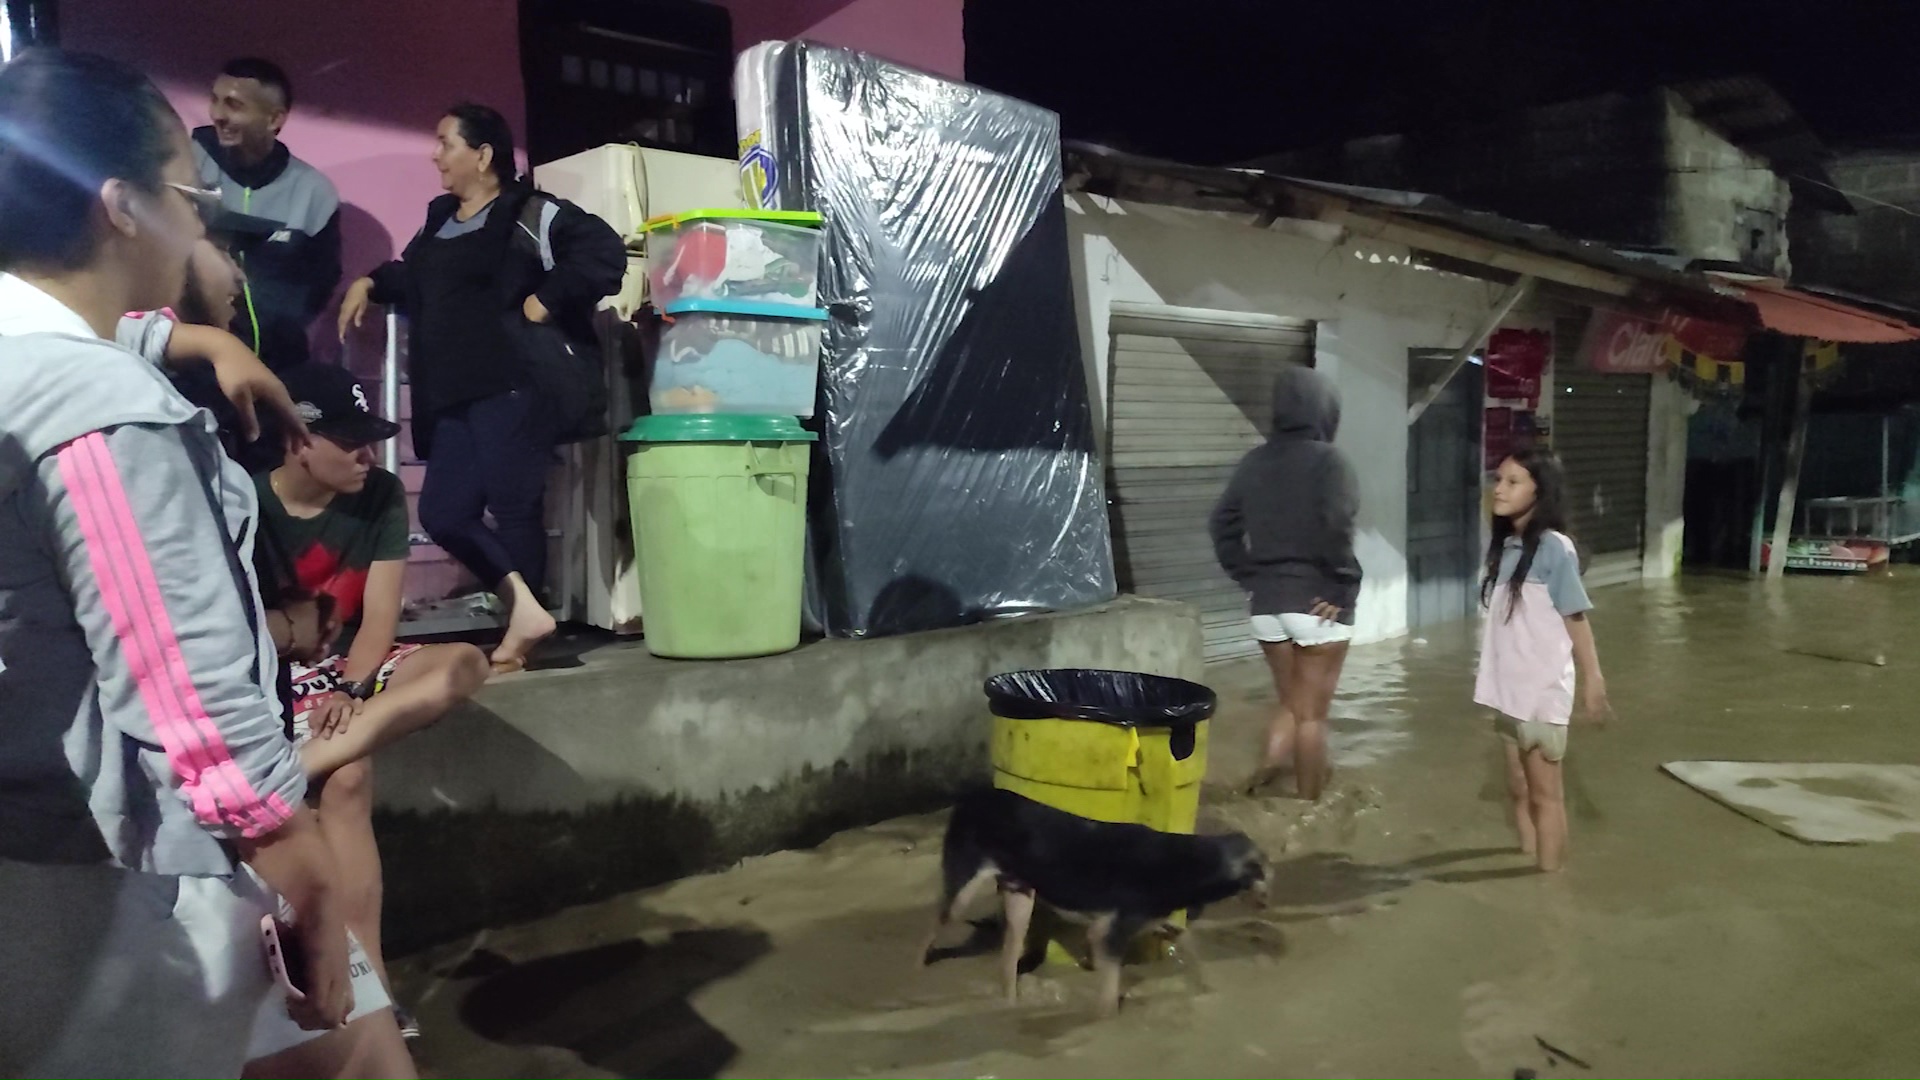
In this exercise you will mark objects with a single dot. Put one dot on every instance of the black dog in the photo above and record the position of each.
(1125, 879)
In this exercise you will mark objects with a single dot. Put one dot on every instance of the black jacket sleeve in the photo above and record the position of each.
(393, 280)
(589, 261)
(1228, 526)
(389, 283)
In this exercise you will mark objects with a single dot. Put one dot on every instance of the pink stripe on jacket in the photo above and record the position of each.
(216, 787)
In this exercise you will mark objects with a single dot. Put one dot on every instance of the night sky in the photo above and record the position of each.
(1211, 81)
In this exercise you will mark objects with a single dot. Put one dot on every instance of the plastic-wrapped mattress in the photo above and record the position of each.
(957, 478)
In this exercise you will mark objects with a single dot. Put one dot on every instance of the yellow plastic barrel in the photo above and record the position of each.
(1103, 771)
(1104, 745)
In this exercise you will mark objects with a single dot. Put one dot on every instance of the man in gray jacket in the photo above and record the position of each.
(142, 758)
(291, 270)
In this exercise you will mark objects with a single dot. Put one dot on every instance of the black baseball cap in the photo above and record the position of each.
(334, 404)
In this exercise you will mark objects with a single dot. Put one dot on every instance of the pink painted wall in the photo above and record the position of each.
(371, 77)
(927, 34)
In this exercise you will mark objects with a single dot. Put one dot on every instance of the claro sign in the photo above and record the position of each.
(1622, 344)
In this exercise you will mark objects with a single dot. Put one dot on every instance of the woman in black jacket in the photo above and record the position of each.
(499, 288)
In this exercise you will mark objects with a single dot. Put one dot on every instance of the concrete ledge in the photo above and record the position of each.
(563, 786)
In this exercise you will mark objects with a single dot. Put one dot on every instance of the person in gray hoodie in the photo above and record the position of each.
(150, 803)
(1284, 531)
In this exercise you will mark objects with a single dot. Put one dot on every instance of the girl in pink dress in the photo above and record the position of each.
(1536, 640)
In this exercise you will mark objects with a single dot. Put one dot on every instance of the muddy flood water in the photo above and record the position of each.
(1405, 937)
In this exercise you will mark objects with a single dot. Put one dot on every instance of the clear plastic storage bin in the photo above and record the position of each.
(737, 357)
(760, 256)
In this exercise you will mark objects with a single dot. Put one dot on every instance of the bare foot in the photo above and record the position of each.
(524, 632)
(528, 624)
(1267, 773)
(1326, 784)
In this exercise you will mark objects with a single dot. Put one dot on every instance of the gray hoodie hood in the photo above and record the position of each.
(1304, 405)
(1284, 527)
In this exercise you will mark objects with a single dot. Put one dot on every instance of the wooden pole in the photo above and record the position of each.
(1500, 310)
(1886, 461)
(1770, 423)
(1790, 476)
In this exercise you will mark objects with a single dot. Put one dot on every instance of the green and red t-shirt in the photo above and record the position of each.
(331, 552)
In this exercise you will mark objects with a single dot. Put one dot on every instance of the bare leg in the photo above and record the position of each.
(1518, 805)
(1106, 964)
(346, 820)
(424, 686)
(370, 1047)
(1547, 800)
(1277, 753)
(528, 623)
(1316, 676)
(1019, 905)
(960, 902)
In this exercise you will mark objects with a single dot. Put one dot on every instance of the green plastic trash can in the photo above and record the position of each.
(719, 504)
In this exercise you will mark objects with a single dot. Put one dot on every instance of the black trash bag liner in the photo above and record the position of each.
(1122, 698)
(1125, 698)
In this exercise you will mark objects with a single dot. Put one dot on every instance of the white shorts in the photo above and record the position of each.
(1300, 629)
(274, 1030)
(111, 972)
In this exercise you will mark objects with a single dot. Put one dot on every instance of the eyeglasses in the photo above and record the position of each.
(205, 201)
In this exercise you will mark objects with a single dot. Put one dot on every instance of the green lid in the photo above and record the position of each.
(717, 427)
(804, 218)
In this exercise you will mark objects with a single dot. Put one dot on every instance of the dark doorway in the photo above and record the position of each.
(1443, 492)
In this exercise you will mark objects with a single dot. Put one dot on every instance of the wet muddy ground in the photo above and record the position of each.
(1405, 937)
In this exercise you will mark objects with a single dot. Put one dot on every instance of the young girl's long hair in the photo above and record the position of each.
(1549, 513)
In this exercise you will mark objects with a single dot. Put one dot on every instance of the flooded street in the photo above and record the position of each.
(1405, 936)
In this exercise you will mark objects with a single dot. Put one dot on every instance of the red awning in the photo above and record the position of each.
(1790, 311)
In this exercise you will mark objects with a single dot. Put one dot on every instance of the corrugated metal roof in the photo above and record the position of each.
(1535, 238)
(1778, 305)
(1800, 313)
(1227, 188)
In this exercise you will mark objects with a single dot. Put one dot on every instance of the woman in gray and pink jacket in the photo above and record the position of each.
(142, 758)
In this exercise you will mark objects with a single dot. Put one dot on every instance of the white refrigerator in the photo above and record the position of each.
(591, 577)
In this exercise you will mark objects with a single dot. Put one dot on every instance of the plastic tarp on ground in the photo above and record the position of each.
(957, 478)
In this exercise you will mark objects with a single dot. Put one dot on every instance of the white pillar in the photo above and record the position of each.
(1667, 413)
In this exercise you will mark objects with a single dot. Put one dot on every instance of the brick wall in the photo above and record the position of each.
(1873, 250)
(1634, 170)
(1722, 203)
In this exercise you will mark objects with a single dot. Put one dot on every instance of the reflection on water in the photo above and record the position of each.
(1698, 645)
(1404, 936)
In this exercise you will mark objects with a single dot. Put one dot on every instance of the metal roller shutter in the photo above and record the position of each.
(1600, 433)
(1188, 398)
